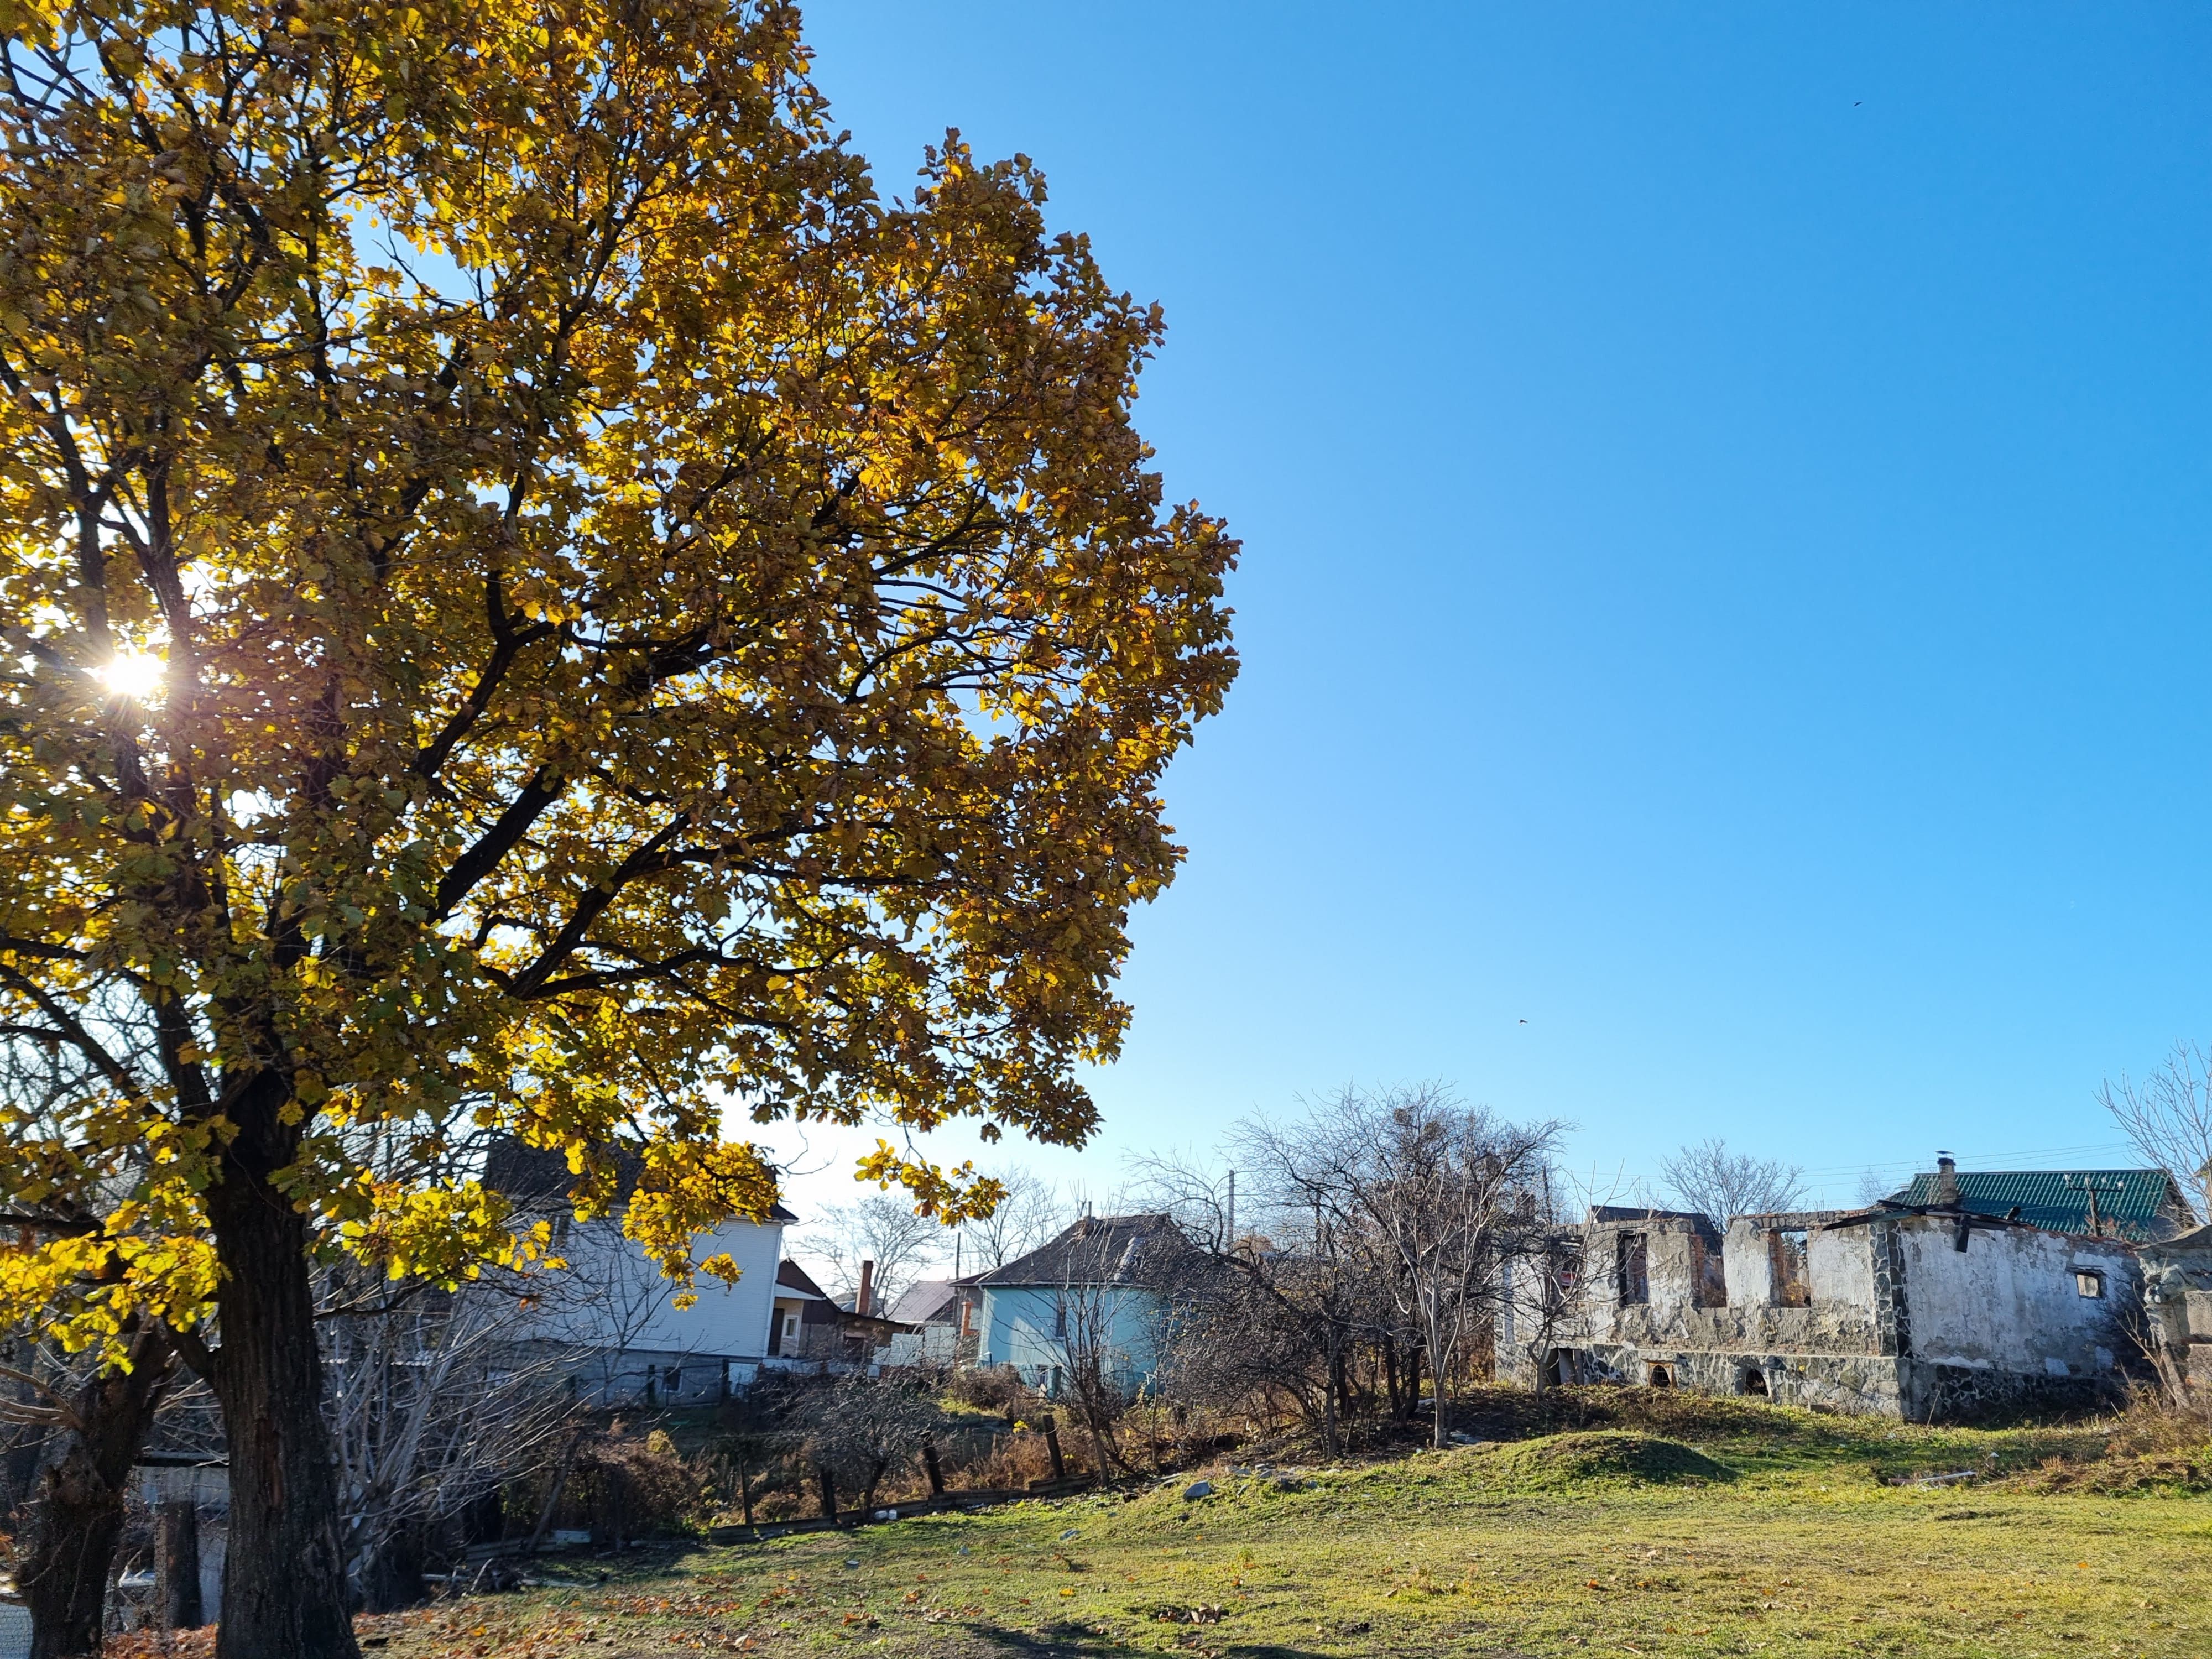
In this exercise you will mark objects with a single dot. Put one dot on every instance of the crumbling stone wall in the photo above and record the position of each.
(2177, 1306)
(1895, 1319)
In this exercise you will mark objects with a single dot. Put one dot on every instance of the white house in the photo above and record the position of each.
(617, 1313)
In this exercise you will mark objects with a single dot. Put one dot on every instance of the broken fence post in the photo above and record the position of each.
(829, 1492)
(1052, 1444)
(930, 1465)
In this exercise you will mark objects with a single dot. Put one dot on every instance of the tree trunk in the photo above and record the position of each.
(1439, 1368)
(177, 1567)
(283, 1574)
(1329, 1430)
(62, 1572)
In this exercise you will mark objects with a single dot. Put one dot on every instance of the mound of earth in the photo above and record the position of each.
(1560, 1460)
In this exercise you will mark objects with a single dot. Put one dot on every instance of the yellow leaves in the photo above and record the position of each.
(952, 1196)
(442, 1234)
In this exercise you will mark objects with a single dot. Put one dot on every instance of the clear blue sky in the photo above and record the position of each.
(1725, 502)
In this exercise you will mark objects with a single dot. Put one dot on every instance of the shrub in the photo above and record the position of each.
(994, 1389)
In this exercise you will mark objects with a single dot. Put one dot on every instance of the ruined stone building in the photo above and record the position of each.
(2176, 1293)
(1950, 1300)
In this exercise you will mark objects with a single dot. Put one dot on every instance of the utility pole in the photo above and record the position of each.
(1229, 1243)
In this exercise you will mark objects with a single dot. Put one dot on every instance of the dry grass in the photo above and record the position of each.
(1810, 1549)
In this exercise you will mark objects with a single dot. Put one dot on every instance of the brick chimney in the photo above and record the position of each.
(1947, 1182)
(860, 1295)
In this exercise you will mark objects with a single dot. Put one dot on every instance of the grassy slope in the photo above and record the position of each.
(1518, 1551)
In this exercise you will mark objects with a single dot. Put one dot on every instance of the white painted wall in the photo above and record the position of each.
(612, 1296)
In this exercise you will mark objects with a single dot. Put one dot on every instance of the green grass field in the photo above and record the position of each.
(1780, 1533)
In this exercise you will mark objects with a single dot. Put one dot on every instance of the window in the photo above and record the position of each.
(1060, 1319)
(1707, 1272)
(1793, 1285)
(1634, 1269)
(2088, 1281)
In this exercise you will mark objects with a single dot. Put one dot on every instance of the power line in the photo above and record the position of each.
(1965, 1159)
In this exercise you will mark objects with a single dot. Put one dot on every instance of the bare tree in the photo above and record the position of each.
(1872, 1186)
(1436, 1191)
(1026, 1218)
(883, 1229)
(2167, 1117)
(1116, 1279)
(865, 1428)
(433, 1404)
(1721, 1185)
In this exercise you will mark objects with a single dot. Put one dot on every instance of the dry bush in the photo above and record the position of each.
(1013, 1461)
(2154, 1423)
(621, 1485)
(994, 1389)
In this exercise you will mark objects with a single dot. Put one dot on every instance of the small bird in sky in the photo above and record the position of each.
(1524, 1022)
(1856, 102)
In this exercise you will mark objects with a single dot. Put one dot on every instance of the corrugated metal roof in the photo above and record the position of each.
(2130, 1203)
(923, 1301)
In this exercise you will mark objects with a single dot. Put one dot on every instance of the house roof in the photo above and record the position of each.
(1109, 1250)
(790, 1276)
(2138, 1204)
(926, 1300)
(538, 1177)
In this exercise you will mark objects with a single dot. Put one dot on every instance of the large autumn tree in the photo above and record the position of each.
(536, 601)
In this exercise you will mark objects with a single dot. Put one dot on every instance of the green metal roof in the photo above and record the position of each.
(2130, 1203)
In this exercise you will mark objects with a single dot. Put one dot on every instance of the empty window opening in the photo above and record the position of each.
(1560, 1368)
(1753, 1381)
(1634, 1269)
(2088, 1282)
(1662, 1377)
(1793, 1284)
(1707, 1272)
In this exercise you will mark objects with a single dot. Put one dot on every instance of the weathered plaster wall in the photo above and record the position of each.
(2009, 1301)
(1670, 1254)
(1750, 1269)
(1840, 1265)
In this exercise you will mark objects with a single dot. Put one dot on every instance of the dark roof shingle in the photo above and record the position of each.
(538, 1177)
(1107, 1249)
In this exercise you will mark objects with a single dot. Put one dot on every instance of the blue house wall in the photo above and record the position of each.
(1021, 1328)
